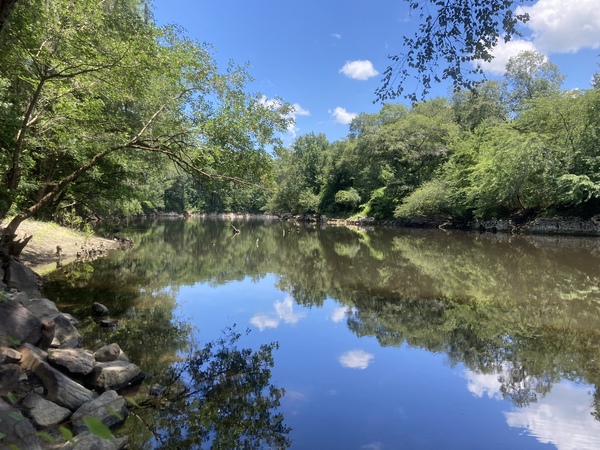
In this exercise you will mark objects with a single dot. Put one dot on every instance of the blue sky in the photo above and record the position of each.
(326, 57)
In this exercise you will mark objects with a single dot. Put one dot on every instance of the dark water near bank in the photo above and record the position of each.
(388, 339)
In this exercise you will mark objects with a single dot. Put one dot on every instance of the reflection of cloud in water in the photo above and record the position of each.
(562, 418)
(295, 395)
(372, 446)
(340, 313)
(284, 312)
(356, 359)
(480, 384)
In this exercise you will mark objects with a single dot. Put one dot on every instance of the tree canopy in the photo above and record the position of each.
(96, 100)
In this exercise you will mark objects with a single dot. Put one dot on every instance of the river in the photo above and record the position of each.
(380, 339)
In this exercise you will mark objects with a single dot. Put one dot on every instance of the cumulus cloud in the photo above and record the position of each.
(342, 116)
(336, 35)
(562, 418)
(483, 384)
(563, 26)
(555, 26)
(503, 52)
(359, 70)
(356, 359)
(284, 312)
(340, 313)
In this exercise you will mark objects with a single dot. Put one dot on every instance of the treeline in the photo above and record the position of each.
(104, 112)
(518, 148)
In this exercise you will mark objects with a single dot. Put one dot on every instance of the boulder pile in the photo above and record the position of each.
(50, 387)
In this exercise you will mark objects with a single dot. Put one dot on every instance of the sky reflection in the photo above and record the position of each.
(562, 417)
(284, 312)
(356, 359)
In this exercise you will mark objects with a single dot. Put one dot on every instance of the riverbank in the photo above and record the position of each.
(53, 245)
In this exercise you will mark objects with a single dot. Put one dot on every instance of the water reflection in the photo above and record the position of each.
(521, 315)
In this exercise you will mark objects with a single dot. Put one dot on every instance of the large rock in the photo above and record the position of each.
(42, 308)
(110, 352)
(22, 278)
(17, 430)
(98, 309)
(75, 360)
(44, 413)
(88, 441)
(109, 409)
(115, 375)
(60, 388)
(65, 333)
(17, 324)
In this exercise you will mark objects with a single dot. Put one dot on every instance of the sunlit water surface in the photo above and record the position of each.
(388, 339)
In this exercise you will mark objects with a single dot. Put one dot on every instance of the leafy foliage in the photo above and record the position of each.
(454, 36)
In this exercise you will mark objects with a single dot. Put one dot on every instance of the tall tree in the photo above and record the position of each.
(93, 91)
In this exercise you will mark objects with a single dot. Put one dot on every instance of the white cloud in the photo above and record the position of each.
(336, 35)
(359, 70)
(503, 52)
(340, 313)
(563, 418)
(483, 384)
(356, 359)
(562, 26)
(298, 110)
(556, 26)
(284, 312)
(342, 116)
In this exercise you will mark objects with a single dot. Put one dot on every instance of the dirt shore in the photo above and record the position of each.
(41, 252)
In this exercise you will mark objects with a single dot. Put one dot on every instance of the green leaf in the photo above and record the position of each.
(66, 433)
(132, 402)
(13, 341)
(12, 397)
(97, 428)
(44, 436)
(112, 412)
(16, 415)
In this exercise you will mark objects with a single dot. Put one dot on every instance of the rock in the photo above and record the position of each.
(42, 308)
(88, 441)
(44, 413)
(48, 331)
(60, 388)
(98, 309)
(10, 355)
(66, 332)
(107, 324)
(17, 324)
(9, 378)
(17, 430)
(108, 353)
(75, 360)
(115, 375)
(22, 278)
(72, 319)
(109, 409)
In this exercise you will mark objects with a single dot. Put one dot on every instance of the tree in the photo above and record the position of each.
(94, 91)
(528, 75)
(454, 36)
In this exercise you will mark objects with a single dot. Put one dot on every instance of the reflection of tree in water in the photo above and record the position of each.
(218, 397)
(527, 359)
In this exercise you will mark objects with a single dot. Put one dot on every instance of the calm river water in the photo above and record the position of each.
(388, 339)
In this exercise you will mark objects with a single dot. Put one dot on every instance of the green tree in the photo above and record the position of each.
(94, 91)
(529, 75)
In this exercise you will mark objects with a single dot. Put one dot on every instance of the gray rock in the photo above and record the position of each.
(75, 360)
(66, 332)
(9, 378)
(108, 353)
(17, 429)
(42, 308)
(60, 388)
(44, 413)
(17, 324)
(98, 309)
(114, 375)
(10, 355)
(88, 441)
(22, 278)
(72, 319)
(109, 409)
